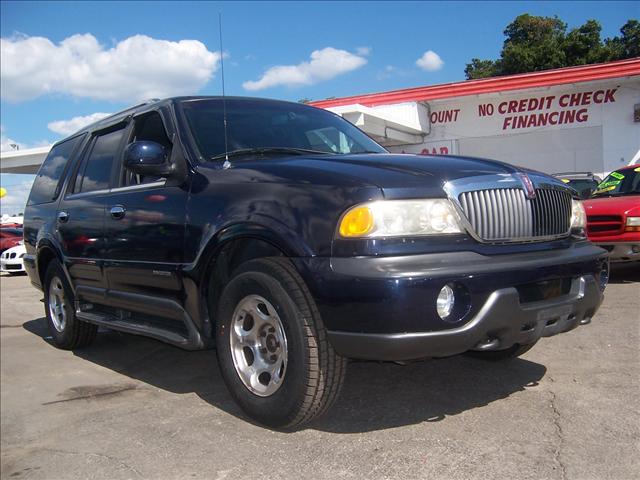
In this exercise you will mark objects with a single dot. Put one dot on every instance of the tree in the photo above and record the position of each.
(631, 39)
(627, 45)
(583, 45)
(480, 69)
(533, 43)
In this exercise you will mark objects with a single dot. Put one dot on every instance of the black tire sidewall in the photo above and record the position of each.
(65, 337)
(281, 407)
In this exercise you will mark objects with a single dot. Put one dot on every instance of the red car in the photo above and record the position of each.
(613, 214)
(9, 237)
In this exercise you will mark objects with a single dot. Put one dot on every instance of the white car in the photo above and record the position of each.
(11, 260)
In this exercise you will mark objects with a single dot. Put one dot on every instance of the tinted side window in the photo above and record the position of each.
(45, 185)
(95, 172)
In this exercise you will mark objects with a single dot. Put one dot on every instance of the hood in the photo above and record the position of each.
(623, 205)
(398, 175)
(18, 249)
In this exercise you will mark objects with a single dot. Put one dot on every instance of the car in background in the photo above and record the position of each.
(11, 260)
(613, 214)
(585, 183)
(10, 237)
(10, 225)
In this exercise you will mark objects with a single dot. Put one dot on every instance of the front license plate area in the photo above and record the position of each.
(543, 290)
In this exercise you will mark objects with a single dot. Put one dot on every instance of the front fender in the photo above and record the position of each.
(277, 235)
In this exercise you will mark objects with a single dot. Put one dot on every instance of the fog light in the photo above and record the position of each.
(445, 301)
(604, 277)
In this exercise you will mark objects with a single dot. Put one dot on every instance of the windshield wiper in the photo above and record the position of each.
(267, 151)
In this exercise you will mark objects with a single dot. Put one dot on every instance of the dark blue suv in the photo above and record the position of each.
(285, 237)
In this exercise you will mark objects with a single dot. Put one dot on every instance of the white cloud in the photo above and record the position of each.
(67, 127)
(430, 61)
(18, 186)
(17, 193)
(324, 64)
(363, 51)
(6, 143)
(137, 68)
(388, 71)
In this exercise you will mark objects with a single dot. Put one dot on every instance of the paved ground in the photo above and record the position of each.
(129, 407)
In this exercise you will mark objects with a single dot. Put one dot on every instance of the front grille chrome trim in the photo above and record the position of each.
(498, 211)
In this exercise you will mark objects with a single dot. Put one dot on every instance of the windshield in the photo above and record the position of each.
(623, 182)
(266, 124)
(583, 186)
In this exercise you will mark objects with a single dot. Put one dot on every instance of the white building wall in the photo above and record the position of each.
(580, 127)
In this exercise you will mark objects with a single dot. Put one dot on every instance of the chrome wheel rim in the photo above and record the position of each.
(258, 345)
(57, 304)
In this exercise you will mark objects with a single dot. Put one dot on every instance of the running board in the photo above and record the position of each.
(150, 305)
(136, 328)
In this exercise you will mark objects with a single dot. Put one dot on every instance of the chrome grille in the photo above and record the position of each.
(505, 214)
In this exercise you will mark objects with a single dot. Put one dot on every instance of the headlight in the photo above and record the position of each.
(396, 218)
(632, 224)
(578, 215)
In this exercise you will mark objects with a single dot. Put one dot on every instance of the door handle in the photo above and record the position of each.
(63, 217)
(117, 212)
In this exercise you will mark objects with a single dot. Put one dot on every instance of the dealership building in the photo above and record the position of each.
(584, 118)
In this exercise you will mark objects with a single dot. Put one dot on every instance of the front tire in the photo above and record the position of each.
(272, 346)
(67, 331)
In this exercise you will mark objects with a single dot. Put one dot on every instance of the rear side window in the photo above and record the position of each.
(45, 185)
(95, 171)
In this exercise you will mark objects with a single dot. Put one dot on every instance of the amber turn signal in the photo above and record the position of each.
(357, 222)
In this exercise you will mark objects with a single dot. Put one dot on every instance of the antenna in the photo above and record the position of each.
(224, 98)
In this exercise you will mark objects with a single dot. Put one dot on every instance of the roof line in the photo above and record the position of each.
(545, 78)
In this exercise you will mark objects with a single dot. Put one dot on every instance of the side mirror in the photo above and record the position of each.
(147, 158)
(586, 193)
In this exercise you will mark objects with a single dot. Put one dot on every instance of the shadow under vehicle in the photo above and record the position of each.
(376, 396)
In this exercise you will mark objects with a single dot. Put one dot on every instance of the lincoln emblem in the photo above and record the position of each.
(529, 189)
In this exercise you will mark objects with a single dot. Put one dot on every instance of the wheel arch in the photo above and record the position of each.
(226, 252)
(45, 254)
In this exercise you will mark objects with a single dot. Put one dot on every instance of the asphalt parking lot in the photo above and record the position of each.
(130, 407)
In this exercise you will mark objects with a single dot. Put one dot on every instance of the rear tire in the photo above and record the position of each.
(499, 355)
(272, 346)
(67, 331)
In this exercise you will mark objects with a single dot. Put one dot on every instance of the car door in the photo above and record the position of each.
(145, 223)
(80, 215)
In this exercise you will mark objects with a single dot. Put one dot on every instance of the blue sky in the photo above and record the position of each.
(360, 47)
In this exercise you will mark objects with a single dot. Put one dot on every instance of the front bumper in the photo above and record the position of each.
(622, 251)
(11, 266)
(384, 308)
(502, 322)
